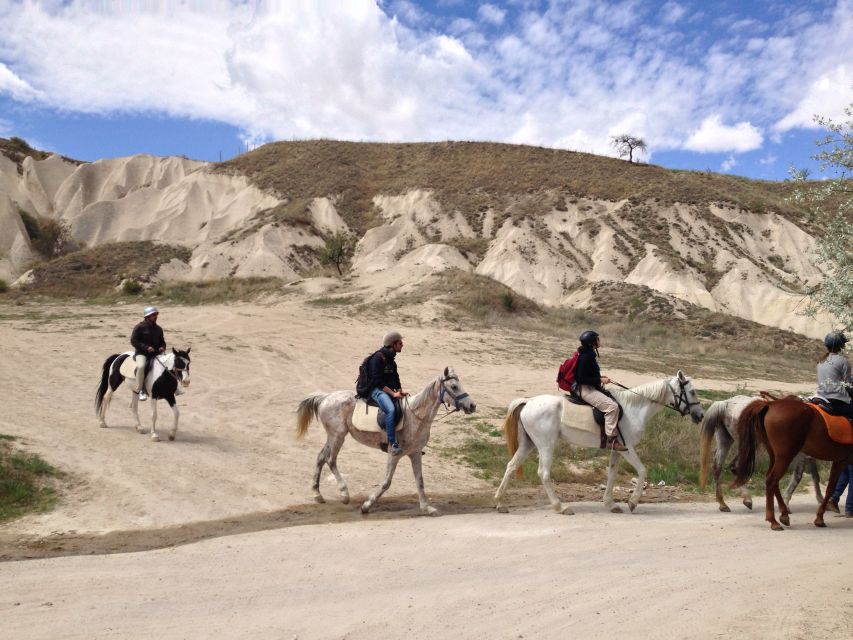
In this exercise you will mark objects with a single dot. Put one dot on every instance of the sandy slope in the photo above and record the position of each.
(237, 463)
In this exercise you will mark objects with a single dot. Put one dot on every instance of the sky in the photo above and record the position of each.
(729, 86)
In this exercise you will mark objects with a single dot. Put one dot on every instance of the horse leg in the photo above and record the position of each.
(811, 465)
(796, 477)
(778, 466)
(390, 468)
(634, 460)
(834, 472)
(546, 457)
(525, 446)
(102, 411)
(417, 468)
(177, 413)
(611, 479)
(322, 457)
(334, 446)
(724, 444)
(155, 437)
(134, 406)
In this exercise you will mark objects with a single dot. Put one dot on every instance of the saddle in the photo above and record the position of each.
(597, 416)
(839, 428)
(127, 367)
(369, 417)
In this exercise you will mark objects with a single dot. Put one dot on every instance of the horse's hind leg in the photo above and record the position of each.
(777, 468)
(321, 460)
(389, 475)
(546, 457)
(417, 469)
(332, 460)
(796, 477)
(834, 472)
(102, 410)
(611, 480)
(724, 443)
(525, 446)
(811, 466)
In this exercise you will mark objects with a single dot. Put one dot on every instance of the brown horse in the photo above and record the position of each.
(786, 426)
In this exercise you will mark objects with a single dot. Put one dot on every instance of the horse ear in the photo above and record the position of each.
(173, 351)
(681, 376)
(446, 371)
(188, 350)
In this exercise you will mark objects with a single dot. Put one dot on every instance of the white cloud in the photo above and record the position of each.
(491, 14)
(768, 159)
(714, 136)
(827, 96)
(728, 164)
(559, 74)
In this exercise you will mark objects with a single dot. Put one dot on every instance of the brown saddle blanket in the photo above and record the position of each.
(839, 428)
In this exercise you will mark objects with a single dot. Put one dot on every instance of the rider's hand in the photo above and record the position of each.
(161, 349)
(605, 380)
(150, 349)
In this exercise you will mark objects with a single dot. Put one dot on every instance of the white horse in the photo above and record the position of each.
(538, 422)
(162, 383)
(335, 412)
(720, 424)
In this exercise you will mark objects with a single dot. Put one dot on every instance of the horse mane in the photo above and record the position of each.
(634, 397)
(422, 396)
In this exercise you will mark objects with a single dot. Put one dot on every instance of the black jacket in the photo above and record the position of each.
(588, 373)
(147, 335)
(383, 370)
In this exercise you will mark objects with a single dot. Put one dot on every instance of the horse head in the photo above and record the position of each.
(452, 387)
(684, 398)
(181, 366)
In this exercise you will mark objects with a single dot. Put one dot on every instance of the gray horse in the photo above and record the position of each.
(335, 412)
(720, 423)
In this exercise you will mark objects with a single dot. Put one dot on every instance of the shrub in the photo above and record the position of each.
(132, 287)
(4, 286)
(338, 250)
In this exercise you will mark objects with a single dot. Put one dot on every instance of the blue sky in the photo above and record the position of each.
(729, 86)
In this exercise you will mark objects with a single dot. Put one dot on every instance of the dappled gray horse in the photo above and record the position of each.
(335, 412)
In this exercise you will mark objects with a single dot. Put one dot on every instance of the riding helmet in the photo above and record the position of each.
(149, 311)
(835, 340)
(588, 338)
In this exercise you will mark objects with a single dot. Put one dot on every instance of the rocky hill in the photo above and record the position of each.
(561, 228)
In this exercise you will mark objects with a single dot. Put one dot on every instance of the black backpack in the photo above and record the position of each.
(362, 383)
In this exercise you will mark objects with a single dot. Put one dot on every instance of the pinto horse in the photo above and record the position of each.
(786, 426)
(167, 373)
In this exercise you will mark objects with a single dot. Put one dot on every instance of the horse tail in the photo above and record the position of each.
(105, 382)
(307, 411)
(714, 417)
(750, 425)
(511, 428)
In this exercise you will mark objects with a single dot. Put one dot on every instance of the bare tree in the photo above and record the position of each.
(338, 250)
(625, 145)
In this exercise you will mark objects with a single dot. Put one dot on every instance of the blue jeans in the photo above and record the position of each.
(845, 481)
(387, 405)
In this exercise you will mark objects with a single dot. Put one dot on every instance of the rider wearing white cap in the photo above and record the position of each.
(148, 340)
(385, 384)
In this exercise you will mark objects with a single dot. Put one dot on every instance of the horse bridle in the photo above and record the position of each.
(444, 390)
(680, 397)
(175, 367)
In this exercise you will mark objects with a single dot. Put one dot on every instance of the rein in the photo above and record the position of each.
(441, 401)
(678, 398)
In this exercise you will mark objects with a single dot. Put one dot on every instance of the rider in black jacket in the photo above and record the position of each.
(385, 384)
(590, 387)
(147, 340)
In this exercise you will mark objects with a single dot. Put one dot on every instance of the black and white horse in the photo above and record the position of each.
(162, 382)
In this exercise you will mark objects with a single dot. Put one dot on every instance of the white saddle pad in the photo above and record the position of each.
(128, 367)
(365, 420)
(579, 416)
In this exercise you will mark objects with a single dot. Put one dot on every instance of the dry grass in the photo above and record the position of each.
(473, 177)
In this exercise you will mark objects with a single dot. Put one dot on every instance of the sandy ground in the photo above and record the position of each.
(282, 566)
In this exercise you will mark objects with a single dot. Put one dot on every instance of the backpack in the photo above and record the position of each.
(566, 374)
(362, 382)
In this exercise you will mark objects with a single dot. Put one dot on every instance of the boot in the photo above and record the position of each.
(613, 443)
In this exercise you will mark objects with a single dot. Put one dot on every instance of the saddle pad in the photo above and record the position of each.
(365, 420)
(839, 428)
(579, 416)
(128, 367)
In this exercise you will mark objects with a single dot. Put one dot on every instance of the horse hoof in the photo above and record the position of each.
(431, 511)
(103, 425)
(748, 504)
(615, 509)
(785, 520)
(777, 527)
(365, 508)
(319, 499)
(501, 509)
(171, 437)
(725, 508)
(632, 506)
(344, 499)
(567, 511)
(819, 523)
(155, 437)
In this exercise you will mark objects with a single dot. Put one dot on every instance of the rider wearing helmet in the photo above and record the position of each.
(834, 382)
(385, 384)
(147, 340)
(591, 390)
